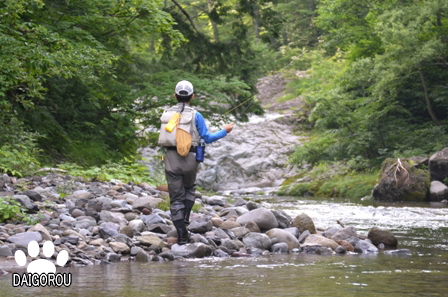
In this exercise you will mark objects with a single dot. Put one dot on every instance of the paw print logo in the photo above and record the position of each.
(41, 265)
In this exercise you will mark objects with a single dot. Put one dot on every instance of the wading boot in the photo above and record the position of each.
(188, 206)
(183, 237)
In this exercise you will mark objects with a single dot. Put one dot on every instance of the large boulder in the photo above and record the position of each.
(304, 222)
(251, 156)
(377, 236)
(263, 217)
(438, 191)
(401, 180)
(438, 165)
(284, 236)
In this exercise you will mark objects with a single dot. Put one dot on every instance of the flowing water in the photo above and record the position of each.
(421, 228)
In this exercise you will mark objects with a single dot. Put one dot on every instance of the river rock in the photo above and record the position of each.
(280, 248)
(148, 202)
(346, 245)
(26, 201)
(114, 217)
(284, 236)
(142, 256)
(253, 227)
(340, 250)
(5, 251)
(100, 203)
(229, 224)
(127, 230)
(77, 213)
(395, 185)
(240, 232)
(330, 232)
(263, 217)
(148, 240)
(315, 249)
(216, 222)
(220, 253)
(345, 233)
(167, 255)
(191, 250)
(120, 247)
(294, 231)
(42, 230)
(365, 247)
(304, 222)
(80, 195)
(438, 191)
(252, 205)
(320, 240)
(35, 196)
(153, 218)
(215, 200)
(84, 224)
(378, 236)
(111, 257)
(108, 229)
(97, 242)
(230, 244)
(137, 225)
(257, 240)
(159, 228)
(66, 217)
(200, 225)
(283, 219)
(23, 239)
(438, 165)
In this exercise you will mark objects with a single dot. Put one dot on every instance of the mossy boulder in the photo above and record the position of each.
(402, 180)
(438, 165)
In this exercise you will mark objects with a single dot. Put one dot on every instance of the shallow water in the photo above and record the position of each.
(422, 228)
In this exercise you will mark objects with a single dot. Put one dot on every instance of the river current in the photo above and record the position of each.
(421, 228)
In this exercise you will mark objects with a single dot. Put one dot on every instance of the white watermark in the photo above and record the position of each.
(42, 272)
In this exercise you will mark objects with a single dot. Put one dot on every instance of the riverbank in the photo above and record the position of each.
(106, 222)
(330, 180)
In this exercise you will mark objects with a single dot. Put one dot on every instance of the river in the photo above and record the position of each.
(421, 228)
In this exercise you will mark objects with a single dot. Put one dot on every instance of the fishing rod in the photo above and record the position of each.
(265, 88)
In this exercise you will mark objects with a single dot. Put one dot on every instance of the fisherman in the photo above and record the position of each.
(181, 162)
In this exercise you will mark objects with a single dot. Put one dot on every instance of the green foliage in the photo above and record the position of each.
(125, 171)
(9, 209)
(18, 148)
(445, 181)
(331, 180)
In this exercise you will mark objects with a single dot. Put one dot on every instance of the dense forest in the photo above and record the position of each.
(81, 79)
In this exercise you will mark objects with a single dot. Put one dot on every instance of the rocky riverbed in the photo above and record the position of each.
(106, 222)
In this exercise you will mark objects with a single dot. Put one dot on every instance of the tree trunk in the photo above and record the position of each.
(428, 103)
(214, 24)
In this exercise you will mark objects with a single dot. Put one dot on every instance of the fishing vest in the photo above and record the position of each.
(187, 123)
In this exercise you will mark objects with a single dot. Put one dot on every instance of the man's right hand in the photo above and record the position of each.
(228, 127)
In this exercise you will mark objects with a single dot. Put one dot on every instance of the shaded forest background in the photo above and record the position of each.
(79, 78)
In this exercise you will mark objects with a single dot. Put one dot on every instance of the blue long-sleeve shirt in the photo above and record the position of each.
(203, 131)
